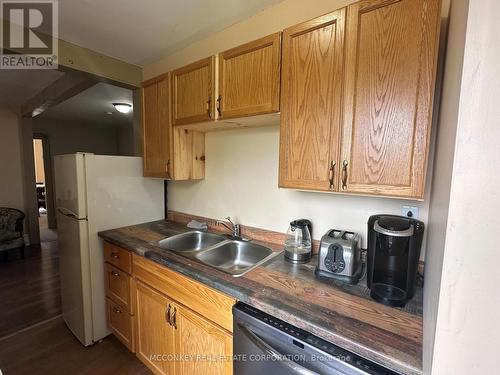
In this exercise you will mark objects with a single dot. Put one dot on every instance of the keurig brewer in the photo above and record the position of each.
(393, 252)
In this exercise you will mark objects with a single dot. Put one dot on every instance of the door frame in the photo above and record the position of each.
(49, 179)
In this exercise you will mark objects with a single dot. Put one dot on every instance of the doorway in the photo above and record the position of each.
(44, 188)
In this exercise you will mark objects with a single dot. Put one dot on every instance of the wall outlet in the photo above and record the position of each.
(409, 211)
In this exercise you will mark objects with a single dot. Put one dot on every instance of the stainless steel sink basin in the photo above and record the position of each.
(234, 257)
(191, 241)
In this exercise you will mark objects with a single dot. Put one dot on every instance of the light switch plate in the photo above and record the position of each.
(409, 211)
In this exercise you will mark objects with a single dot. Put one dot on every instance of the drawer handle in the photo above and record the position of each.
(174, 318)
(115, 256)
(167, 314)
(114, 273)
(116, 311)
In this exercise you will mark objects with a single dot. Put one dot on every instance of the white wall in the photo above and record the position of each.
(242, 181)
(443, 167)
(467, 330)
(11, 186)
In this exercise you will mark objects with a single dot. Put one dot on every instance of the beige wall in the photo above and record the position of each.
(467, 330)
(242, 181)
(11, 187)
(241, 175)
(67, 138)
(273, 19)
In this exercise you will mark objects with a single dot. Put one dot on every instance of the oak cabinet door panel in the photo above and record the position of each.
(157, 129)
(311, 103)
(389, 86)
(249, 78)
(206, 348)
(193, 92)
(155, 336)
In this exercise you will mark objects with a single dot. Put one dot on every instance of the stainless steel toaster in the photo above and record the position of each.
(340, 256)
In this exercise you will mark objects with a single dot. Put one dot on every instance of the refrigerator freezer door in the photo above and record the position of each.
(69, 172)
(117, 195)
(75, 276)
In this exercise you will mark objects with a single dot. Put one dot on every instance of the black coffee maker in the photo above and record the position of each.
(394, 244)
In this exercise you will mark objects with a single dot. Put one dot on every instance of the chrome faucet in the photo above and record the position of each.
(234, 228)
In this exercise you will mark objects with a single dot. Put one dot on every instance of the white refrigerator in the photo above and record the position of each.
(95, 193)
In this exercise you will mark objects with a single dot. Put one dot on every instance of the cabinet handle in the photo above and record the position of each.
(115, 256)
(174, 318)
(114, 273)
(167, 168)
(116, 311)
(332, 173)
(219, 111)
(167, 314)
(209, 106)
(344, 174)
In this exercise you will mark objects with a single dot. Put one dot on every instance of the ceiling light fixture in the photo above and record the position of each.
(122, 107)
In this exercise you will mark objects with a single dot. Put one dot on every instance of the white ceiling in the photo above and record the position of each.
(17, 86)
(91, 105)
(143, 31)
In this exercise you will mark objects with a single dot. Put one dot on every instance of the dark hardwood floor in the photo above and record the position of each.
(33, 336)
(50, 348)
(29, 288)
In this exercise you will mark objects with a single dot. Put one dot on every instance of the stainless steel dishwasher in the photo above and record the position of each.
(266, 345)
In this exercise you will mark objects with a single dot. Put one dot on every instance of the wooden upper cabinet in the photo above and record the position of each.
(391, 59)
(311, 94)
(193, 92)
(157, 128)
(249, 78)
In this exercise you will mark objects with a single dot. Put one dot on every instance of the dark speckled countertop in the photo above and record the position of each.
(339, 313)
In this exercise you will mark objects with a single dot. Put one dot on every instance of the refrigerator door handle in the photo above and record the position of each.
(69, 213)
(269, 350)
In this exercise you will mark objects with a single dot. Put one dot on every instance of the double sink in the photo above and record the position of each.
(232, 256)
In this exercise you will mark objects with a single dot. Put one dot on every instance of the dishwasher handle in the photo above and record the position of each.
(268, 349)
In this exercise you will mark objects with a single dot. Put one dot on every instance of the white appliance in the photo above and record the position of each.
(95, 193)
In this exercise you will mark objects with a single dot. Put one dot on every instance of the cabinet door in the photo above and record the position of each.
(311, 93)
(155, 336)
(157, 128)
(205, 348)
(193, 92)
(249, 78)
(390, 75)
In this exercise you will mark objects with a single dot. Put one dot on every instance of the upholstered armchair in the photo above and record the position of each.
(11, 230)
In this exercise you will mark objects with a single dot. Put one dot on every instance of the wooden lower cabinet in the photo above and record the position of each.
(204, 348)
(155, 335)
(121, 323)
(174, 324)
(172, 339)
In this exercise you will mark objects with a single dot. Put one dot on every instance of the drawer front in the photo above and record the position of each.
(118, 286)
(118, 257)
(207, 302)
(120, 322)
